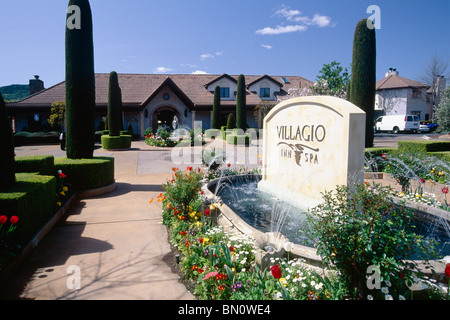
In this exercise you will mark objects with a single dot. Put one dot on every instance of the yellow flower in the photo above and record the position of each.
(283, 281)
(441, 173)
(205, 240)
(418, 196)
(65, 189)
(62, 193)
(199, 224)
(432, 171)
(59, 204)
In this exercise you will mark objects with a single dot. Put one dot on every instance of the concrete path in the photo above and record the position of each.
(114, 244)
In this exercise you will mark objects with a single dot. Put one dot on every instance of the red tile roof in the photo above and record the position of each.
(138, 89)
(397, 82)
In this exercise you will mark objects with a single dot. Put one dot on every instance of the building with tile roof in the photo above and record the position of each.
(150, 100)
(399, 95)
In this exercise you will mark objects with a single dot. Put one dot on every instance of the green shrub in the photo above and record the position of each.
(84, 174)
(423, 146)
(33, 200)
(7, 176)
(44, 165)
(212, 133)
(357, 230)
(119, 142)
(444, 156)
(238, 139)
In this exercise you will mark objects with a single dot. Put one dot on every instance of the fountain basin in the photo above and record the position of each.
(231, 220)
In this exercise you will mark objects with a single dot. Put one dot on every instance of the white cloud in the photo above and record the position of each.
(210, 55)
(162, 70)
(302, 22)
(206, 56)
(267, 46)
(281, 30)
(199, 72)
(321, 21)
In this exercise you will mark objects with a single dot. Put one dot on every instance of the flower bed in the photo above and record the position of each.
(219, 264)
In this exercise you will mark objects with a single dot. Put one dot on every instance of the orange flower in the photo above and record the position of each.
(151, 200)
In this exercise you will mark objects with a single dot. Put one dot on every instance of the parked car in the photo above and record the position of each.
(397, 123)
(432, 126)
(424, 128)
(62, 141)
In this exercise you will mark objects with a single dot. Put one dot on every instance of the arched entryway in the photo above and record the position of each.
(164, 116)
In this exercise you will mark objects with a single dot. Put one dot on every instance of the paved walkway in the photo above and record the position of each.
(116, 241)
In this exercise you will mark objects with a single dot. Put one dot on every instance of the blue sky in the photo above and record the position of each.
(252, 37)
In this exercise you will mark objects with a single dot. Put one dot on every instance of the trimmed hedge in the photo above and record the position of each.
(85, 174)
(423, 146)
(377, 152)
(120, 142)
(212, 133)
(33, 200)
(28, 138)
(444, 156)
(43, 165)
(239, 139)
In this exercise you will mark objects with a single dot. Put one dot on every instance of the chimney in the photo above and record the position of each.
(36, 85)
(392, 72)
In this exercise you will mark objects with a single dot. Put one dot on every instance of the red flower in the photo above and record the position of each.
(62, 175)
(202, 192)
(14, 220)
(447, 270)
(276, 271)
(3, 219)
(200, 240)
(183, 233)
(232, 248)
(221, 287)
(207, 212)
(422, 181)
(445, 190)
(383, 155)
(189, 169)
(229, 165)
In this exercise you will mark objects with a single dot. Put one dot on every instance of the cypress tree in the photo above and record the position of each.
(241, 104)
(80, 82)
(216, 109)
(231, 123)
(7, 162)
(114, 106)
(363, 80)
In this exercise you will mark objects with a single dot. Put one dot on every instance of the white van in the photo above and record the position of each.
(398, 123)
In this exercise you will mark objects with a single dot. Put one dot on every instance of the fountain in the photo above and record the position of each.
(311, 145)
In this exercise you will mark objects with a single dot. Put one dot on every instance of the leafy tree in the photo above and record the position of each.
(442, 111)
(332, 80)
(216, 109)
(114, 106)
(241, 104)
(7, 172)
(80, 85)
(363, 79)
(56, 119)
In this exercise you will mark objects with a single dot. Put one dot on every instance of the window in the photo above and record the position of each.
(224, 92)
(417, 93)
(285, 80)
(264, 93)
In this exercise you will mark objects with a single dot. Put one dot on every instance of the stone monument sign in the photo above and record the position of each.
(312, 145)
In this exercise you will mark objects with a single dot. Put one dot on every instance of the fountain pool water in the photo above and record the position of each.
(270, 215)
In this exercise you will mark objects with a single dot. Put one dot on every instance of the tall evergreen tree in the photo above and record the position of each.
(114, 105)
(363, 79)
(241, 104)
(216, 109)
(80, 81)
(7, 172)
(231, 122)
